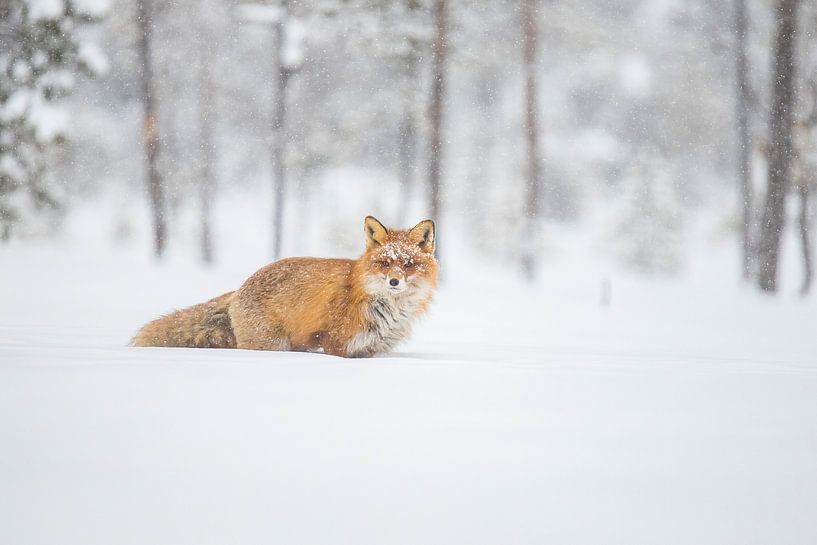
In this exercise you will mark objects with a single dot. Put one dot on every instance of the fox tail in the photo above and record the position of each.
(206, 325)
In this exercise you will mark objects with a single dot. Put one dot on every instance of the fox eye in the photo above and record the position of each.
(383, 264)
(409, 264)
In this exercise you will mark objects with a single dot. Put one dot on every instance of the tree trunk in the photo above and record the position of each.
(281, 75)
(780, 144)
(532, 187)
(207, 181)
(156, 190)
(743, 140)
(808, 271)
(482, 146)
(407, 152)
(406, 160)
(439, 48)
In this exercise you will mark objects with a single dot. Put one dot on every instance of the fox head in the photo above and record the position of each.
(399, 261)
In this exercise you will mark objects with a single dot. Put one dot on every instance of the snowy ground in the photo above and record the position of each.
(686, 412)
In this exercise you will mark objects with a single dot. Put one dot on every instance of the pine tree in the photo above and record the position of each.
(40, 58)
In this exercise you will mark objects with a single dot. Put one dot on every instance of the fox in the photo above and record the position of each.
(343, 307)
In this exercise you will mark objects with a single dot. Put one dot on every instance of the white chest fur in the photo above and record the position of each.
(389, 321)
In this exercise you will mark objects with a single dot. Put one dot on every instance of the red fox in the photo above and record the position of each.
(343, 307)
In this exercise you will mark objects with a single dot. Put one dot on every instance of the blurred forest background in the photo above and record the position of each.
(505, 121)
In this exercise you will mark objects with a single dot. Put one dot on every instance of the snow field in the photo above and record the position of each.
(682, 413)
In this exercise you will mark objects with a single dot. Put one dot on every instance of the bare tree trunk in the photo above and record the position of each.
(407, 153)
(207, 182)
(780, 144)
(808, 271)
(439, 50)
(406, 160)
(532, 187)
(482, 144)
(407, 145)
(156, 190)
(743, 139)
(281, 74)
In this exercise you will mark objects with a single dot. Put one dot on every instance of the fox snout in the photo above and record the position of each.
(396, 282)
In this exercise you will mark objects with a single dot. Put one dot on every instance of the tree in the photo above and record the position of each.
(780, 144)
(646, 235)
(532, 189)
(803, 189)
(744, 144)
(287, 58)
(414, 49)
(281, 78)
(397, 31)
(805, 144)
(805, 177)
(207, 175)
(39, 60)
(155, 186)
(438, 76)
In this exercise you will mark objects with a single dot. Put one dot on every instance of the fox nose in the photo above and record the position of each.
(394, 281)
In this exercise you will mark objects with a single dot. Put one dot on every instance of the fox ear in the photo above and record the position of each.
(423, 234)
(376, 234)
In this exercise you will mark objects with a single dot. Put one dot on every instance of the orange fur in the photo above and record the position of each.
(338, 306)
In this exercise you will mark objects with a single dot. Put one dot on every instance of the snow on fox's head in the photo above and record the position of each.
(399, 261)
